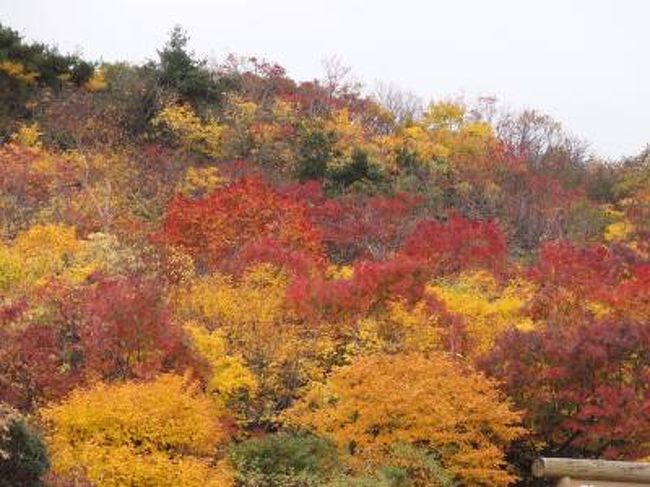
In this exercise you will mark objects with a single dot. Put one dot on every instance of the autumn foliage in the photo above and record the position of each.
(159, 433)
(585, 389)
(382, 400)
(225, 276)
(213, 229)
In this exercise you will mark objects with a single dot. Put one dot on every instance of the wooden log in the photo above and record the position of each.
(592, 469)
(569, 482)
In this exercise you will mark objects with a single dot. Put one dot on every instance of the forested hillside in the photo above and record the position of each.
(216, 275)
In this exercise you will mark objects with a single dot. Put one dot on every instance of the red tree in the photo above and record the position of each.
(34, 367)
(585, 389)
(353, 226)
(213, 229)
(570, 277)
(126, 330)
(457, 244)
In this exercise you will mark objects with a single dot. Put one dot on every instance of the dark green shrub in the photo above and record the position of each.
(23, 457)
(180, 72)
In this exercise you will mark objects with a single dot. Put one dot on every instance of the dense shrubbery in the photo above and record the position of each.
(217, 275)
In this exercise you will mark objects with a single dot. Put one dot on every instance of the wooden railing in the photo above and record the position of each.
(569, 472)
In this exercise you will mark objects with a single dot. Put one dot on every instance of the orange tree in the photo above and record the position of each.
(380, 401)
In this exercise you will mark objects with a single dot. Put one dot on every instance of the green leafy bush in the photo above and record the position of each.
(285, 460)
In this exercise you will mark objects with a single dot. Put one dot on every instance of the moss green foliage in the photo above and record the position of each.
(285, 460)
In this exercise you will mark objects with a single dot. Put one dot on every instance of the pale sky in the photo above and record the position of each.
(584, 62)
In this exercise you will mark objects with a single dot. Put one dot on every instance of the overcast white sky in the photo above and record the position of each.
(585, 62)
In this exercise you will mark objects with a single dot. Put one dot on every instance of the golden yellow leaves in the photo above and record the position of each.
(199, 181)
(443, 132)
(344, 272)
(487, 308)
(448, 115)
(621, 229)
(400, 328)
(221, 301)
(193, 133)
(47, 252)
(253, 342)
(42, 241)
(36, 255)
(229, 376)
(28, 135)
(484, 306)
(158, 433)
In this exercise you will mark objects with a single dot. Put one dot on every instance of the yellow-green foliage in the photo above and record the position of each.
(487, 307)
(618, 231)
(621, 229)
(11, 269)
(258, 298)
(239, 117)
(229, 376)
(350, 136)
(106, 191)
(417, 140)
(442, 132)
(271, 146)
(450, 129)
(344, 272)
(252, 316)
(51, 251)
(158, 433)
(103, 252)
(448, 115)
(41, 252)
(194, 134)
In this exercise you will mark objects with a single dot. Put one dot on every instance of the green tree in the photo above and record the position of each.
(284, 460)
(178, 70)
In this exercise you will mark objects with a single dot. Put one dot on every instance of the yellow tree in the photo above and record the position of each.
(47, 252)
(158, 433)
(381, 401)
(38, 254)
(192, 133)
(251, 321)
(487, 308)
(450, 127)
(399, 328)
(229, 376)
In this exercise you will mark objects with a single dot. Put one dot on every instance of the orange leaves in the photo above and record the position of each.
(382, 400)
